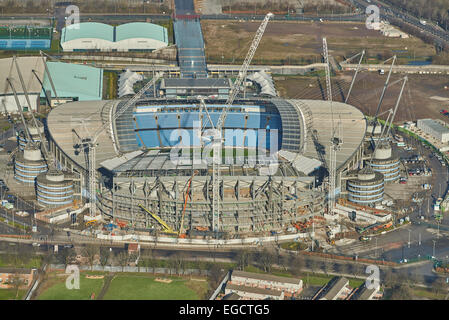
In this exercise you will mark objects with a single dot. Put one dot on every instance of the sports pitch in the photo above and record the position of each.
(124, 286)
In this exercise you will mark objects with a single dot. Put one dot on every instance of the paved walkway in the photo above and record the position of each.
(107, 282)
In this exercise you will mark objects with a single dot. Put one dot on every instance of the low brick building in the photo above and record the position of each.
(7, 276)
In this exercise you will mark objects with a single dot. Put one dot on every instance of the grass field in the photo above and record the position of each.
(55, 289)
(10, 294)
(144, 287)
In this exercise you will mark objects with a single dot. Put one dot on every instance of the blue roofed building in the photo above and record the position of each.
(73, 82)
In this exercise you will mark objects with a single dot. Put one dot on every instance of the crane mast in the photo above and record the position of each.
(335, 141)
(218, 137)
(90, 143)
(355, 75)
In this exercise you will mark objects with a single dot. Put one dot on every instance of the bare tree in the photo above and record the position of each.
(66, 256)
(266, 258)
(16, 281)
(243, 259)
(90, 251)
(105, 253)
(123, 259)
(297, 263)
(179, 262)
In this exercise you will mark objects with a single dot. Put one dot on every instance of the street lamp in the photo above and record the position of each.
(433, 256)
(409, 231)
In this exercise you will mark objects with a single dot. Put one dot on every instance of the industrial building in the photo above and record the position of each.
(93, 36)
(73, 82)
(434, 128)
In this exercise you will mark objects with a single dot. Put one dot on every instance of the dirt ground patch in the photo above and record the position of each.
(292, 42)
(416, 101)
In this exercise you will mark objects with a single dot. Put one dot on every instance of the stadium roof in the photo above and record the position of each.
(351, 131)
(26, 65)
(103, 31)
(85, 117)
(141, 30)
(87, 30)
(75, 80)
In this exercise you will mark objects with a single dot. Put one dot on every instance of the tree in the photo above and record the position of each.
(16, 281)
(66, 256)
(90, 251)
(123, 259)
(105, 253)
(243, 259)
(314, 265)
(266, 258)
(215, 275)
(179, 262)
(297, 264)
(401, 291)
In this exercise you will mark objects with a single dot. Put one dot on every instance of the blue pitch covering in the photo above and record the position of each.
(24, 44)
(151, 125)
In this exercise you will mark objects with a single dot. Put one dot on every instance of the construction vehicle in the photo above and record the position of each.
(121, 224)
(165, 227)
(181, 227)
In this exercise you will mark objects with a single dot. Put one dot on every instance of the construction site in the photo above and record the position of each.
(206, 155)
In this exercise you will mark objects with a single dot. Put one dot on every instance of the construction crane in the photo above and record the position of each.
(217, 139)
(164, 225)
(47, 155)
(90, 143)
(405, 79)
(335, 140)
(181, 227)
(390, 120)
(356, 72)
(48, 76)
(383, 92)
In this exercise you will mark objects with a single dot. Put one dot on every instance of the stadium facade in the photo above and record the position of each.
(93, 36)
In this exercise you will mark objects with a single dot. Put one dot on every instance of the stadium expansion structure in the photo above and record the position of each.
(137, 162)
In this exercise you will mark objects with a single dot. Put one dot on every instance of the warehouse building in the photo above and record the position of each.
(93, 36)
(434, 128)
(73, 82)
